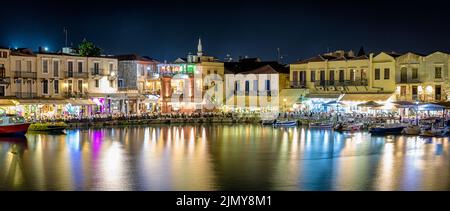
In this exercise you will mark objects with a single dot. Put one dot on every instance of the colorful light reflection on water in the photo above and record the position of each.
(222, 157)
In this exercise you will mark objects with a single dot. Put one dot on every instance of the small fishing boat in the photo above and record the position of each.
(285, 123)
(13, 125)
(411, 130)
(51, 127)
(267, 122)
(321, 125)
(434, 132)
(349, 126)
(383, 129)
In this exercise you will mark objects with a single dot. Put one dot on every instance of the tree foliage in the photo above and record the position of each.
(87, 48)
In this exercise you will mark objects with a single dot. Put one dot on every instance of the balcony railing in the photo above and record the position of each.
(325, 83)
(75, 94)
(4, 80)
(75, 74)
(298, 84)
(98, 72)
(22, 74)
(409, 81)
(26, 95)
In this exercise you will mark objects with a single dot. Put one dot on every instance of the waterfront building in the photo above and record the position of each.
(139, 83)
(422, 78)
(185, 81)
(253, 85)
(344, 77)
(5, 73)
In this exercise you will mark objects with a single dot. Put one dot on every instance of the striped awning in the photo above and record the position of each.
(40, 101)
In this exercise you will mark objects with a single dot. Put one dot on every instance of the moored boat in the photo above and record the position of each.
(434, 132)
(285, 123)
(411, 130)
(13, 125)
(349, 127)
(267, 122)
(387, 129)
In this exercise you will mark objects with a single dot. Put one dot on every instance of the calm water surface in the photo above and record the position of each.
(222, 157)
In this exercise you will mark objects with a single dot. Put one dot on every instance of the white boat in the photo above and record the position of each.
(284, 123)
(411, 130)
(267, 122)
(433, 132)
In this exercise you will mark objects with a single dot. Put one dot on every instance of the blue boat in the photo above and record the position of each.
(285, 123)
(387, 129)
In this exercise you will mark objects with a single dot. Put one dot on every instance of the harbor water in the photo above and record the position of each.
(222, 157)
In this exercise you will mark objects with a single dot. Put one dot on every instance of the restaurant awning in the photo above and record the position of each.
(323, 96)
(364, 97)
(40, 101)
(6, 102)
(80, 102)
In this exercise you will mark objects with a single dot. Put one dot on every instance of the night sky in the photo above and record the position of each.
(168, 29)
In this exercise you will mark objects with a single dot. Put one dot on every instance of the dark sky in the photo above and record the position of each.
(168, 29)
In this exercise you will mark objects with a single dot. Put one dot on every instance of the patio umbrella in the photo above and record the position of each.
(370, 104)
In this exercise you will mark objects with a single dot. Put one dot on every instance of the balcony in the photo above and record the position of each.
(22, 74)
(25, 95)
(75, 95)
(75, 74)
(409, 81)
(4, 80)
(298, 84)
(326, 83)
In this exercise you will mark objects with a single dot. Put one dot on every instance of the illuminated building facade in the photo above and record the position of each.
(183, 83)
(139, 84)
(255, 86)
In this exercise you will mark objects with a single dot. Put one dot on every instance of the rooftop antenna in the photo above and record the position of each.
(278, 55)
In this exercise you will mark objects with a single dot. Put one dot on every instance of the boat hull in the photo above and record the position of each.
(285, 124)
(393, 130)
(17, 129)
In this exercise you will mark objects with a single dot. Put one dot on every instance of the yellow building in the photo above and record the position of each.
(345, 77)
(256, 86)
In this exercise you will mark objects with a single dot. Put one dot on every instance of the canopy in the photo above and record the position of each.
(370, 104)
(430, 106)
(5, 102)
(80, 102)
(367, 97)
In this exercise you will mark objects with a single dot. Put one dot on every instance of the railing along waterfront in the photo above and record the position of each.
(298, 84)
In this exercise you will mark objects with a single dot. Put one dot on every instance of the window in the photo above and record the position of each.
(80, 67)
(120, 82)
(142, 70)
(111, 83)
(313, 76)
(341, 75)
(377, 74)
(414, 93)
(247, 87)
(237, 86)
(96, 68)
(44, 66)
(255, 85)
(331, 77)
(45, 87)
(268, 85)
(69, 86)
(55, 68)
(294, 76)
(29, 66)
(386, 73)
(415, 73)
(2, 91)
(70, 66)
(2, 70)
(4, 54)
(403, 90)
(352, 75)
(403, 75)
(438, 92)
(96, 83)
(80, 86)
(18, 65)
(56, 86)
(438, 72)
